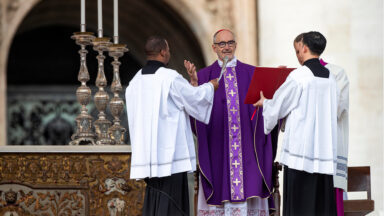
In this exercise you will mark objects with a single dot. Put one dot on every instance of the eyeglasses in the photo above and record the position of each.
(222, 44)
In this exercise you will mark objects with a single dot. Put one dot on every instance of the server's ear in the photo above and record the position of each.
(163, 53)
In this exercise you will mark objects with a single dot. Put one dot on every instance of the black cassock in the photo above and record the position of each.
(308, 194)
(167, 196)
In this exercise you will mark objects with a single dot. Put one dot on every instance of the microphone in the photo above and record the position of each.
(223, 68)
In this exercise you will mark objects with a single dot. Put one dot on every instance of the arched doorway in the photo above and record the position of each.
(43, 61)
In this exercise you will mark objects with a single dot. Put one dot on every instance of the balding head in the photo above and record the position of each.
(154, 45)
(220, 31)
(156, 48)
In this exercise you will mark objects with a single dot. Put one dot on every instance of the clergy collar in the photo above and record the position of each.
(155, 63)
(311, 61)
(317, 68)
(231, 63)
(152, 66)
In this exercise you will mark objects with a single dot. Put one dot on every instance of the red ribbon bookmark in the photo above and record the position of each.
(254, 113)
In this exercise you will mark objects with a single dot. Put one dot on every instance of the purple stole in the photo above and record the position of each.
(235, 153)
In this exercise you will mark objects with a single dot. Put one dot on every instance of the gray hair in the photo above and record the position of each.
(215, 35)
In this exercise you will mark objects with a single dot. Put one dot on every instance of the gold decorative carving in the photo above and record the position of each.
(65, 184)
(116, 207)
(13, 210)
(41, 202)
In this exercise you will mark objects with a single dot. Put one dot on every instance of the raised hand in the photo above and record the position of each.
(191, 70)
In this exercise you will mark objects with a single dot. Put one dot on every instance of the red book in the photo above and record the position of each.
(266, 79)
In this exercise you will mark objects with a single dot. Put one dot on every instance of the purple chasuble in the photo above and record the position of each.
(235, 158)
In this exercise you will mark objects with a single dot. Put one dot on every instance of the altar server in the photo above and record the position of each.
(340, 179)
(159, 101)
(308, 101)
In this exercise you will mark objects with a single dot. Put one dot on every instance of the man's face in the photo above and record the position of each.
(224, 45)
(299, 49)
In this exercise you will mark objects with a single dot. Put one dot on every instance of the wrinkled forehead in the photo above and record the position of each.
(224, 35)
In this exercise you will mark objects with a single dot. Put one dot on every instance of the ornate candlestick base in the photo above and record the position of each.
(117, 104)
(84, 131)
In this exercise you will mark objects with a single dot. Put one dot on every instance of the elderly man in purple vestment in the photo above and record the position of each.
(235, 157)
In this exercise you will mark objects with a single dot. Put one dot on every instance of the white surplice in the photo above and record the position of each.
(158, 108)
(310, 105)
(341, 176)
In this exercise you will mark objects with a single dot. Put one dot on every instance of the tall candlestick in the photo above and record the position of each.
(115, 22)
(116, 104)
(84, 130)
(101, 97)
(100, 18)
(82, 22)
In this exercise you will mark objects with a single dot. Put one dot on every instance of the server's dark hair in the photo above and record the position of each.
(154, 45)
(315, 41)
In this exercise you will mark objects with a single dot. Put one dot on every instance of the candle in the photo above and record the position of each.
(115, 22)
(82, 19)
(100, 18)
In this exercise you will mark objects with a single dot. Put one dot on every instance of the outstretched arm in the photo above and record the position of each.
(196, 101)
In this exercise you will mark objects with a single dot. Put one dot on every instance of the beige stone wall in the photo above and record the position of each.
(205, 17)
(12, 13)
(354, 30)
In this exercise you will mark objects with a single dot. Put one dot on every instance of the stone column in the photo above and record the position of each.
(12, 12)
(245, 24)
(3, 78)
(205, 17)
